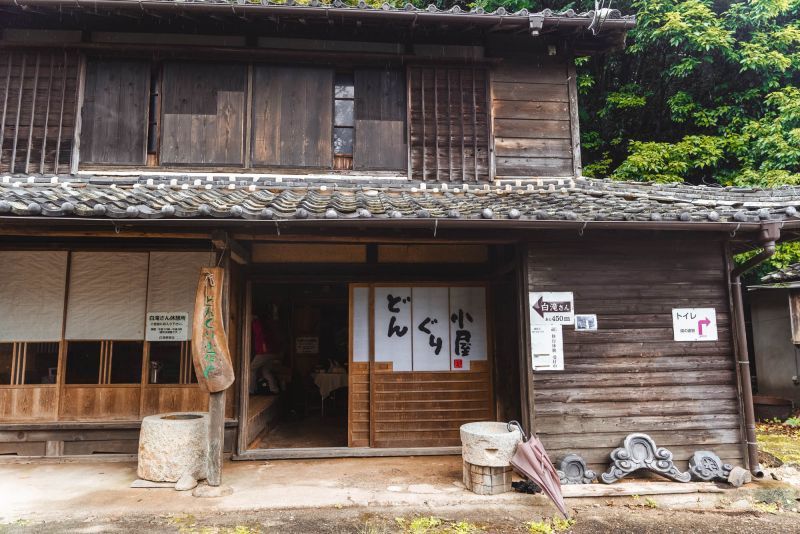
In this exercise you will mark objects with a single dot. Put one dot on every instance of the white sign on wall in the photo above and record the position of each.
(306, 345)
(547, 347)
(694, 324)
(551, 307)
(167, 326)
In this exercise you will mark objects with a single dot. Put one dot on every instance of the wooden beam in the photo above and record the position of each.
(33, 231)
(222, 241)
(575, 134)
(76, 136)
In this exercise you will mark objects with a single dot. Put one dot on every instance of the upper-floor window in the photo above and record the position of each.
(344, 120)
(196, 114)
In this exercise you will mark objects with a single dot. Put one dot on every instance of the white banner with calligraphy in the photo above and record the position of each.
(431, 339)
(393, 327)
(428, 328)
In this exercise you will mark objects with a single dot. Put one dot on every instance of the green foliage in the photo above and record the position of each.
(706, 91)
(785, 255)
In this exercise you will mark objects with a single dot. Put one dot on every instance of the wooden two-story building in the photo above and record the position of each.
(392, 190)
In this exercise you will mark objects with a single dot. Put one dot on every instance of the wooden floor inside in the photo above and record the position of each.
(311, 431)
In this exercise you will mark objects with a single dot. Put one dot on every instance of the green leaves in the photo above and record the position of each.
(706, 91)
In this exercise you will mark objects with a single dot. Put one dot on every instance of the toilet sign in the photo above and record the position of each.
(554, 307)
(694, 324)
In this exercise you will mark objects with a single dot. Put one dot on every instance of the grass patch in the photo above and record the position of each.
(549, 526)
(435, 525)
(784, 447)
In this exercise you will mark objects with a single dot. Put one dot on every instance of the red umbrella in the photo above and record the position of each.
(530, 459)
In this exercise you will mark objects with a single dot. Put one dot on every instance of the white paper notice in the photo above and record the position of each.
(167, 326)
(547, 346)
(694, 324)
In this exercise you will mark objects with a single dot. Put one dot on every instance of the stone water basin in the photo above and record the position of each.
(489, 443)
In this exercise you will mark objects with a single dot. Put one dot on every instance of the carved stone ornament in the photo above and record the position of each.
(639, 451)
(706, 466)
(573, 471)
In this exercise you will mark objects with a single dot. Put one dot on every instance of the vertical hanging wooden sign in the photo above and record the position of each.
(210, 354)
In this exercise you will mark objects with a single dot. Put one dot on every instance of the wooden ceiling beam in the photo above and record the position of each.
(224, 242)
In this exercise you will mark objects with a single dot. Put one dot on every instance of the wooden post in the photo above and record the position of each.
(216, 436)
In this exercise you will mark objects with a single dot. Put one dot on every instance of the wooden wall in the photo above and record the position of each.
(203, 113)
(426, 409)
(115, 108)
(629, 375)
(292, 116)
(531, 119)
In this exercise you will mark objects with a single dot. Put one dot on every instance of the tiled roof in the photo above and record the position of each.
(349, 7)
(789, 274)
(251, 197)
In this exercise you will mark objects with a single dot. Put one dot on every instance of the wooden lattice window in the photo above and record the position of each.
(37, 123)
(449, 123)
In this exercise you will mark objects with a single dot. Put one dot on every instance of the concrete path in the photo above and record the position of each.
(78, 490)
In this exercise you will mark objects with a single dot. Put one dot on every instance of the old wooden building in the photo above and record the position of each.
(396, 195)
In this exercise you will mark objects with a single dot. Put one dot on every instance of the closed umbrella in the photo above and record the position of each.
(530, 459)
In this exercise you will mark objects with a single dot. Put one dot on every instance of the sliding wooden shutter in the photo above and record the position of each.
(115, 108)
(380, 110)
(449, 124)
(204, 109)
(292, 116)
(37, 123)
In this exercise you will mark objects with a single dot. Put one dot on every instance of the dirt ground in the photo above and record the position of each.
(358, 520)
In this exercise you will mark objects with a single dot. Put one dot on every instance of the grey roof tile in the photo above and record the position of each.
(293, 197)
(789, 274)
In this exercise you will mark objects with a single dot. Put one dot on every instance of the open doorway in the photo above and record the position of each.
(298, 366)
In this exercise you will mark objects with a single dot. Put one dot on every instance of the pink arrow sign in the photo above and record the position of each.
(700, 324)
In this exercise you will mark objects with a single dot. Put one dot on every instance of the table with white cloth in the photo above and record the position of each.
(327, 384)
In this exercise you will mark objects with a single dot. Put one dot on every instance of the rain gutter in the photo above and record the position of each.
(769, 234)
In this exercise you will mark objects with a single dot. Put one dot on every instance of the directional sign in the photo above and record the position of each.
(694, 324)
(551, 307)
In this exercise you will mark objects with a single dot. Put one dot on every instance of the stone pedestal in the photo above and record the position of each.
(173, 445)
(486, 480)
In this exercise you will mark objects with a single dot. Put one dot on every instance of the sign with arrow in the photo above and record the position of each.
(552, 307)
(694, 324)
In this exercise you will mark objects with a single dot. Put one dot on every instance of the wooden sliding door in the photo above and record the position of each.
(420, 364)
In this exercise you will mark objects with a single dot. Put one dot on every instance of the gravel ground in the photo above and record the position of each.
(590, 519)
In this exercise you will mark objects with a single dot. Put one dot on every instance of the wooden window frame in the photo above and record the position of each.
(19, 363)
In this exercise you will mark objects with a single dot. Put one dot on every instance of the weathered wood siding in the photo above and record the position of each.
(114, 128)
(292, 116)
(629, 375)
(380, 112)
(203, 113)
(426, 409)
(531, 119)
